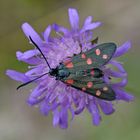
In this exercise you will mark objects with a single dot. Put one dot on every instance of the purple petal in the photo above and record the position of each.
(59, 28)
(106, 78)
(38, 94)
(47, 33)
(72, 112)
(37, 70)
(63, 117)
(88, 20)
(26, 55)
(107, 107)
(122, 95)
(90, 26)
(38, 91)
(74, 18)
(56, 117)
(113, 73)
(44, 108)
(118, 65)
(123, 83)
(122, 49)
(29, 31)
(80, 107)
(93, 109)
(18, 76)
(33, 101)
(96, 118)
(53, 96)
(86, 37)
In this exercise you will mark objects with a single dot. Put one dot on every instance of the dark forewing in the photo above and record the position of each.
(93, 58)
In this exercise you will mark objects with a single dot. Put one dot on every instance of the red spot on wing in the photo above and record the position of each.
(69, 65)
(89, 84)
(92, 72)
(105, 88)
(97, 51)
(66, 62)
(83, 55)
(83, 89)
(105, 56)
(98, 93)
(69, 81)
(89, 61)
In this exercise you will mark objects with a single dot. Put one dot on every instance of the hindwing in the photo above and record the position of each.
(95, 87)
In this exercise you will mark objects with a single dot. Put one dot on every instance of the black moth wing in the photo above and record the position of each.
(85, 75)
(96, 87)
(93, 58)
(88, 61)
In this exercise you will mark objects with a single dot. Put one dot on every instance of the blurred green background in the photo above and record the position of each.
(121, 22)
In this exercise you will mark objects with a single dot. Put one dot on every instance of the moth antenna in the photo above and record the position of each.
(24, 84)
(40, 52)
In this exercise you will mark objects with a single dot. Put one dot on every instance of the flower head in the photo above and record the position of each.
(55, 96)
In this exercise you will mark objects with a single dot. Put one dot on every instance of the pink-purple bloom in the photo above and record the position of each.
(54, 96)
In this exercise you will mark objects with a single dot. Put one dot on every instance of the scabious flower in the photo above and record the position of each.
(52, 95)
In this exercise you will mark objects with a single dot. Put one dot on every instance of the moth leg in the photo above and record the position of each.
(95, 41)
(109, 78)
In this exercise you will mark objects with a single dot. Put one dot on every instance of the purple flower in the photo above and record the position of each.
(54, 96)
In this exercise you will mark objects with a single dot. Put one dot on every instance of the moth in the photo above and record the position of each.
(83, 71)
